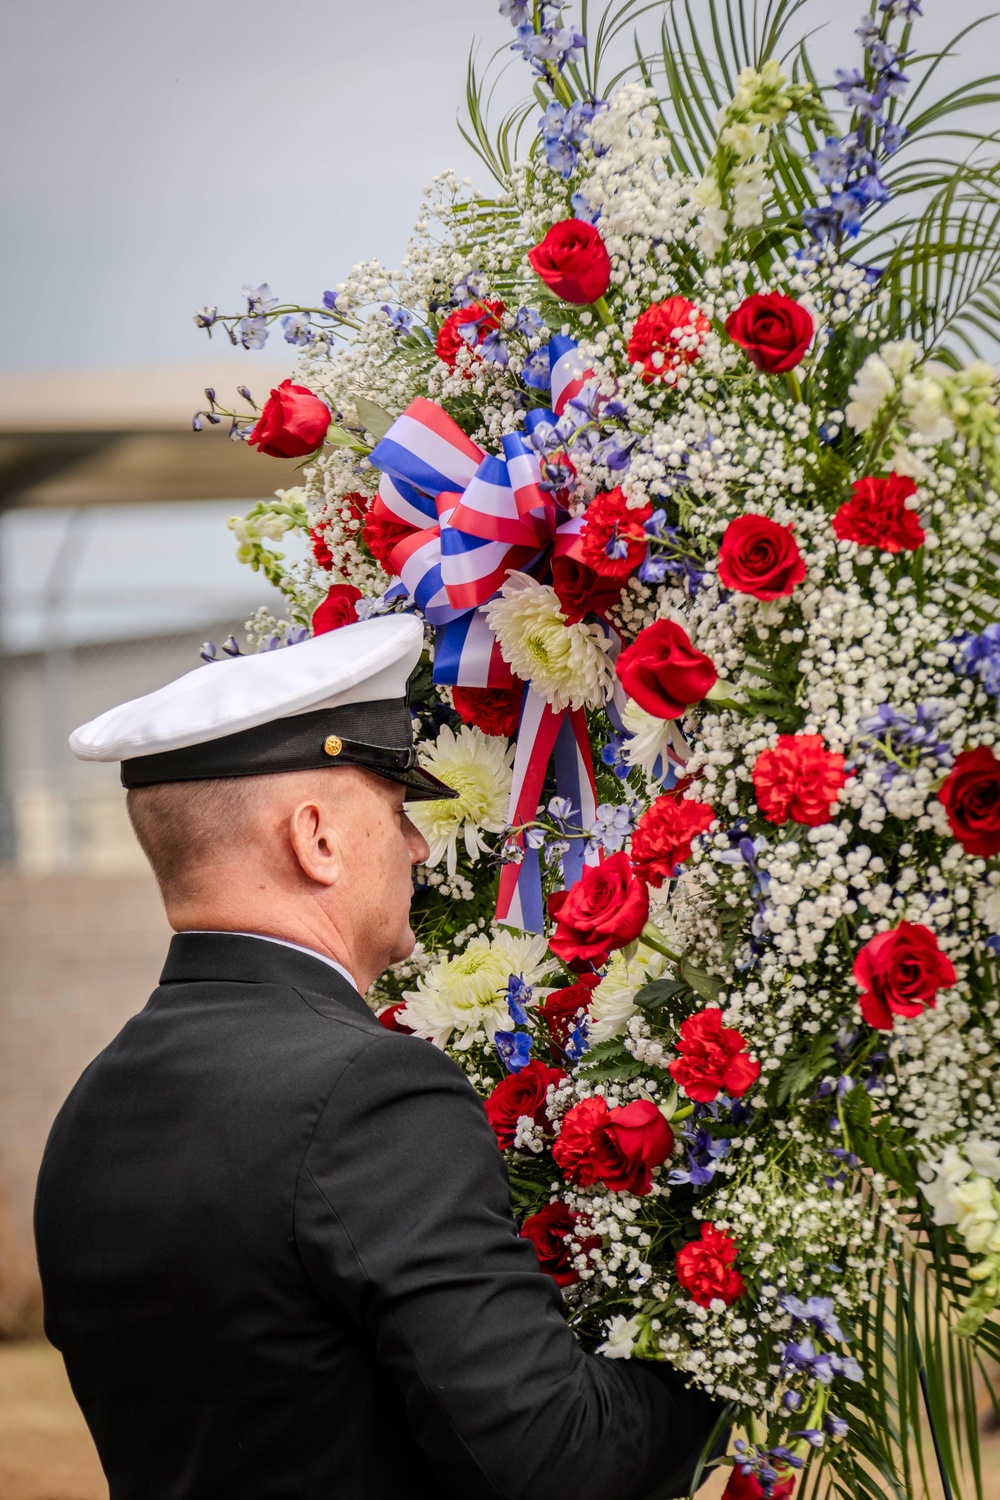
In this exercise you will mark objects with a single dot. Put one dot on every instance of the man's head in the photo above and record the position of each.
(323, 858)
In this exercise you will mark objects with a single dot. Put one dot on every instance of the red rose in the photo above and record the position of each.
(900, 973)
(618, 1147)
(581, 591)
(551, 1231)
(320, 550)
(971, 798)
(759, 557)
(482, 317)
(292, 424)
(877, 516)
(606, 908)
(389, 1018)
(713, 1059)
(614, 542)
(338, 608)
(799, 779)
(520, 1094)
(667, 335)
(742, 1486)
(705, 1268)
(382, 532)
(573, 262)
(561, 1009)
(495, 711)
(663, 672)
(774, 330)
(662, 839)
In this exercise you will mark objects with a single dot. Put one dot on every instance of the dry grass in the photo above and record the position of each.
(46, 1452)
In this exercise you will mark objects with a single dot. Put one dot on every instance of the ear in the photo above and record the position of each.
(315, 843)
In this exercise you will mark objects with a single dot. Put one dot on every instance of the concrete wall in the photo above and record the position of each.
(79, 954)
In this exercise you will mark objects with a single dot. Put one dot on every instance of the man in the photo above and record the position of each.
(275, 1239)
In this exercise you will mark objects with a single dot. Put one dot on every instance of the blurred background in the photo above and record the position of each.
(160, 156)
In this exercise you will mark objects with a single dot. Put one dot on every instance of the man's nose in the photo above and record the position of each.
(419, 847)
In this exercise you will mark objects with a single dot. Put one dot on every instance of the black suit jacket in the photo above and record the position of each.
(278, 1256)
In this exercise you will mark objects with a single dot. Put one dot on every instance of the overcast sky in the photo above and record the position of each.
(160, 154)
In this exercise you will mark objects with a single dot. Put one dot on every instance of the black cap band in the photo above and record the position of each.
(376, 736)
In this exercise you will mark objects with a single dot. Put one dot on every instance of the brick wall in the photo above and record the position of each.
(78, 956)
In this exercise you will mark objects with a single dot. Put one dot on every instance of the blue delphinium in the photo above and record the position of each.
(514, 1048)
(298, 329)
(518, 996)
(563, 129)
(848, 167)
(613, 826)
(980, 658)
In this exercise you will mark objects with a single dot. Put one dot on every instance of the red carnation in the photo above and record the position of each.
(614, 542)
(713, 1059)
(663, 672)
(705, 1268)
(338, 608)
(971, 798)
(495, 711)
(551, 1231)
(382, 532)
(482, 317)
(900, 973)
(320, 550)
(561, 1009)
(799, 780)
(878, 517)
(617, 1147)
(774, 330)
(667, 335)
(518, 1094)
(573, 262)
(292, 423)
(759, 557)
(742, 1486)
(581, 591)
(662, 839)
(606, 908)
(389, 1018)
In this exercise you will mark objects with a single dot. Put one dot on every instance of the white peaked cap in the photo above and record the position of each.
(301, 700)
(357, 664)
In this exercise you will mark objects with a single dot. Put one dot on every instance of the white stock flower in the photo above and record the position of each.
(926, 409)
(941, 1183)
(984, 1157)
(978, 1219)
(873, 385)
(466, 993)
(568, 665)
(622, 1334)
(900, 356)
(477, 767)
(613, 1003)
(713, 232)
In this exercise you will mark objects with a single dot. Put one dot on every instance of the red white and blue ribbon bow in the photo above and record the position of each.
(477, 518)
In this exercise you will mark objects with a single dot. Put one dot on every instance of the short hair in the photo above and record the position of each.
(180, 825)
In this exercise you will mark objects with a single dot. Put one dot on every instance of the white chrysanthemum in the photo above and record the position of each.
(468, 992)
(568, 665)
(477, 767)
(613, 1003)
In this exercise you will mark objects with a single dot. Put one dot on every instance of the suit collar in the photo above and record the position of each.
(232, 957)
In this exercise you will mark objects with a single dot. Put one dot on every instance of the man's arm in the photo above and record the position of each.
(403, 1218)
